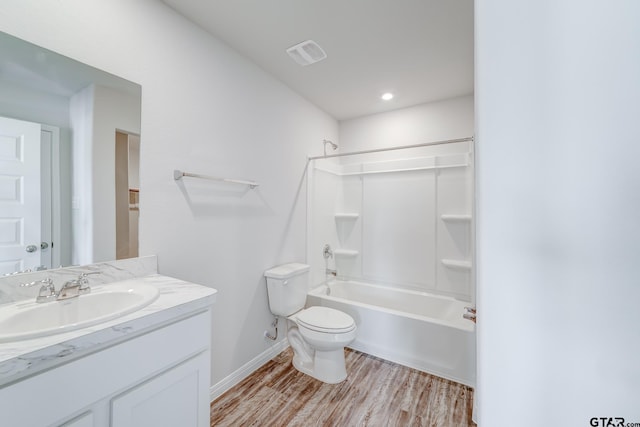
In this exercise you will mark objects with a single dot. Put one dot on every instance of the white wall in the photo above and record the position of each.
(204, 109)
(558, 102)
(27, 103)
(435, 121)
(97, 112)
(113, 110)
(81, 114)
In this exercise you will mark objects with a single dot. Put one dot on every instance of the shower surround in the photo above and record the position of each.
(399, 220)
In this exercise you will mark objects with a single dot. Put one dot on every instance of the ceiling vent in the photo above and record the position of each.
(306, 53)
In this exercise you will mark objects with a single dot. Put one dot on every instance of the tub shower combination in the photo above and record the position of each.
(390, 244)
(415, 329)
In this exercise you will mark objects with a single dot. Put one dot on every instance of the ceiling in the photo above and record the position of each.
(420, 50)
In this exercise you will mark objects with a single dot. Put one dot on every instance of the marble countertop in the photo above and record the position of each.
(177, 299)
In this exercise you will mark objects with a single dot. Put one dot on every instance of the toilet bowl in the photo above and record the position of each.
(317, 335)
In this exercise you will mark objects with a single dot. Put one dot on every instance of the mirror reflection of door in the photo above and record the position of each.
(21, 222)
(127, 194)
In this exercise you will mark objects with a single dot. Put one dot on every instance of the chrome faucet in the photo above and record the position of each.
(76, 287)
(326, 254)
(71, 288)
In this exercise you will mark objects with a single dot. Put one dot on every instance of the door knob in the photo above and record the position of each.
(31, 248)
(44, 245)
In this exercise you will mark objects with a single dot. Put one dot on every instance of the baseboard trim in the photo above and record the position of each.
(247, 369)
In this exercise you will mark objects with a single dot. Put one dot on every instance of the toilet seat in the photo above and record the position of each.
(326, 320)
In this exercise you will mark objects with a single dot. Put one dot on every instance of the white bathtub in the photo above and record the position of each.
(415, 329)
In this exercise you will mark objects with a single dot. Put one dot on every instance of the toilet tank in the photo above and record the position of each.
(287, 288)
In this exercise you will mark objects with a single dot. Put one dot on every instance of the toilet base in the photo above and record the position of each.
(327, 366)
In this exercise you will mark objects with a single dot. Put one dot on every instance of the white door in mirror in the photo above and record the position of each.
(19, 195)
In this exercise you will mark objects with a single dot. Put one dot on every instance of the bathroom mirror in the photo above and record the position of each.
(69, 154)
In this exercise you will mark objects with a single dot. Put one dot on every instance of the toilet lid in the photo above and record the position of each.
(325, 319)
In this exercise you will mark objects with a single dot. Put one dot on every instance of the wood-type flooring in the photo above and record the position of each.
(375, 393)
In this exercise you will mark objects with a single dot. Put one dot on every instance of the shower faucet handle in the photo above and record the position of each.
(327, 252)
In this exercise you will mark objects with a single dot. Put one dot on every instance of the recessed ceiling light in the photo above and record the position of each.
(387, 96)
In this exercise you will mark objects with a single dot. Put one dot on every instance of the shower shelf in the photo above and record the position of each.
(346, 253)
(457, 264)
(347, 215)
(455, 218)
(398, 165)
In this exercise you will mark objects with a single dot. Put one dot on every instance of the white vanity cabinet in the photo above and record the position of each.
(157, 378)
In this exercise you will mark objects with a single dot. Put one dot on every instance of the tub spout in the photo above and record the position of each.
(330, 272)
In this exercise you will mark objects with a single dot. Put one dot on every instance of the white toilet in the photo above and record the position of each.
(317, 335)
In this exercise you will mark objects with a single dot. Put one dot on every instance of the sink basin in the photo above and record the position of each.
(24, 320)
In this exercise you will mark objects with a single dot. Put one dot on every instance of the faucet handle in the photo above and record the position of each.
(34, 283)
(83, 276)
(47, 291)
(470, 314)
(83, 282)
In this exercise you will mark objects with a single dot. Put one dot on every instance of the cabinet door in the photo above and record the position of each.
(84, 420)
(177, 397)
